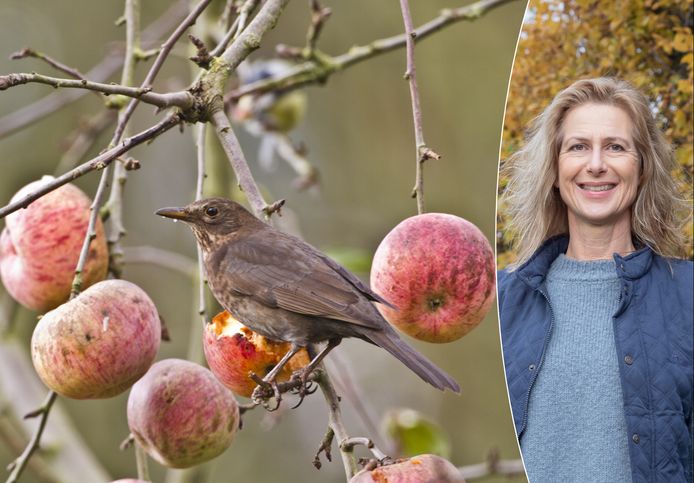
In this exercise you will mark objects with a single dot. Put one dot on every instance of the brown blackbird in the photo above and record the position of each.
(286, 290)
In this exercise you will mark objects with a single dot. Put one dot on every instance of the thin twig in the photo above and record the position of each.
(13, 438)
(84, 138)
(51, 103)
(350, 443)
(91, 231)
(250, 38)
(236, 27)
(181, 99)
(27, 52)
(115, 199)
(99, 162)
(493, 466)
(308, 175)
(232, 148)
(335, 422)
(312, 72)
(345, 382)
(319, 15)
(159, 62)
(422, 151)
(200, 135)
(18, 465)
(324, 447)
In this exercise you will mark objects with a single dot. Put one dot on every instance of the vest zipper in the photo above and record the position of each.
(539, 364)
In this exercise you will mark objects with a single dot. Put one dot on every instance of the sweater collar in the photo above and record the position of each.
(534, 271)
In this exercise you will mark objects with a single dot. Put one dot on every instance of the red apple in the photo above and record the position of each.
(181, 415)
(99, 343)
(418, 469)
(438, 270)
(233, 351)
(40, 246)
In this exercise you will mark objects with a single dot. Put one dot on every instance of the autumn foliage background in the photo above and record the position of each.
(646, 42)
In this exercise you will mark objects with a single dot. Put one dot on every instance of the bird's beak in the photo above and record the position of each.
(175, 213)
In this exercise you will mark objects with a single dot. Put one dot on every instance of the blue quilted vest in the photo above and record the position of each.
(654, 335)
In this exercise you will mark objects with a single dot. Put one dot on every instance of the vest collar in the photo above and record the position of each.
(533, 272)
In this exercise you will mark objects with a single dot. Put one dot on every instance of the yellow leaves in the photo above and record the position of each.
(684, 86)
(683, 40)
(678, 40)
(689, 60)
(685, 155)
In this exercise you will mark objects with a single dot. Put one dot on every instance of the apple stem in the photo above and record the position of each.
(423, 153)
(141, 462)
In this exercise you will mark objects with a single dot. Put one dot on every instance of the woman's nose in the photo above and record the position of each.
(596, 162)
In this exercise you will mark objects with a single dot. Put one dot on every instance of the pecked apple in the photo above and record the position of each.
(418, 469)
(233, 351)
(99, 343)
(40, 246)
(181, 414)
(438, 270)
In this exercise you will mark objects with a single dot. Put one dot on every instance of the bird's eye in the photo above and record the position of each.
(211, 211)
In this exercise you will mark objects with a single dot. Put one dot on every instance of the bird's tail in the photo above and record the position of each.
(420, 365)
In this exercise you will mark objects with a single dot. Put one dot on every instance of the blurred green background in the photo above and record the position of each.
(359, 134)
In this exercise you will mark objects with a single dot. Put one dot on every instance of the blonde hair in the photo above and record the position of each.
(534, 206)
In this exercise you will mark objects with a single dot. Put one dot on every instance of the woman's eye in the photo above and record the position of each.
(577, 147)
(616, 148)
(211, 211)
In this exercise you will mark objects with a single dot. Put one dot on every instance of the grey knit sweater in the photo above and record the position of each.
(576, 429)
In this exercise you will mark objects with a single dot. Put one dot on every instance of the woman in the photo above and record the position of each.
(596, 315)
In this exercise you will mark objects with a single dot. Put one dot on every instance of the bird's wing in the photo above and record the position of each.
(284, 272)
(354, 281)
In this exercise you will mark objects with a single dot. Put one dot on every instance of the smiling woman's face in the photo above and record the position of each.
(598, 168)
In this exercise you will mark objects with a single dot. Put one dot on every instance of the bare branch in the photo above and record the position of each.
(181, 99)
(26, 52)
(232, 148)
(422, 151)
(84, 138)
(493, 466)
(18, 465)
(103, 70)
(319, 15)
(38, 110)
(350, 443)
(158, 63)
(335, 421)
(361, 404)
(200, 135)
(313, 72)
(236, 27)
(13, 438)
(91, 231)
(120, 176)
(99, 162)
(249, 39)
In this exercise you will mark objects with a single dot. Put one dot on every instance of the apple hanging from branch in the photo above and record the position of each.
(438, 270)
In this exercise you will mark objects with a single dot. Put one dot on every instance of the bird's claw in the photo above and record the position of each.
(305, 388)
(264, 391)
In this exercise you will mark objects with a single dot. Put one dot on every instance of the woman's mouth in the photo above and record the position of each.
(597, 187)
